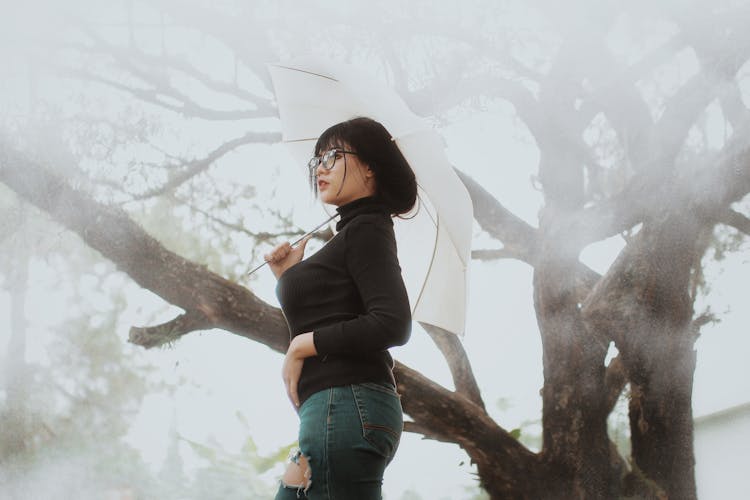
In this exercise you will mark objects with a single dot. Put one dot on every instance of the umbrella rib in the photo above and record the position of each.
(429, 214)
(305, 71)
(429, 269)
(300, 140)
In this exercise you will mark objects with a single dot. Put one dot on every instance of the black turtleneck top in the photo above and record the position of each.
(351, 295)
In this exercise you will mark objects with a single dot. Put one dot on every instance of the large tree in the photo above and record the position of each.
(624, 148)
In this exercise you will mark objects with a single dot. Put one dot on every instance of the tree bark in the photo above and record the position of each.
(576, 449)
(645, 305)
(661, 419)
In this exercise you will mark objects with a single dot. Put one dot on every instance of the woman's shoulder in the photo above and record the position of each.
(368, 232)
(367, 226)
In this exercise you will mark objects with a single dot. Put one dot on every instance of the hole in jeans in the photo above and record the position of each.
(298, 474)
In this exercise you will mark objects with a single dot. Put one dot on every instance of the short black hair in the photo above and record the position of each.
(396, 185)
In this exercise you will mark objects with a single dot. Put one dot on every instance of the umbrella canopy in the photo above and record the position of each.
(434, 246)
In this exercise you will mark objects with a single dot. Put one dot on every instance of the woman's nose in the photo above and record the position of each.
(320, 169)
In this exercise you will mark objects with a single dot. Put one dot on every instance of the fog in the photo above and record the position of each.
(164, 111)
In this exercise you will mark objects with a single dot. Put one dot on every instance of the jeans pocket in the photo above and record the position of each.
(381, 417)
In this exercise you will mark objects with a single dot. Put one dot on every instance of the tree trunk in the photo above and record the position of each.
(576, 448)
(644, 302)
(661, 371)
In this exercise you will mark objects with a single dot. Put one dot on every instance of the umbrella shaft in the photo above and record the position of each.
(295, 242)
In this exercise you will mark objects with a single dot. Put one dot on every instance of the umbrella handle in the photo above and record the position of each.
(294, 243)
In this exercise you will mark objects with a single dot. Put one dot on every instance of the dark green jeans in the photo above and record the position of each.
(348, 434)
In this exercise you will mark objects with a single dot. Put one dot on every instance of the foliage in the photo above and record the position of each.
(235, 476)
(78, 409)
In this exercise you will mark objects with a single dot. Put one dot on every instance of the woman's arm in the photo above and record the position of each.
(372, 261)
(301, 347)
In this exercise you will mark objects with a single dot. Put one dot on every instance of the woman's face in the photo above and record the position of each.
(335, 188)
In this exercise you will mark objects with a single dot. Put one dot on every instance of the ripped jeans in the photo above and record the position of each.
(348, 434)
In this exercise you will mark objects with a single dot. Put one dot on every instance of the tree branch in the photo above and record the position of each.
(645, 195)
(460, 367)
(616, 82)
(133, 60)
(161, 96)
(260, 236)
(527, 107)
(735, 219)
(520, 240)
(733, 106)
(494, 254)
(248, 42)
(720, 181)
(194, 167)
(518, 237)
(154, 336)
(449, 416)
(111, 232)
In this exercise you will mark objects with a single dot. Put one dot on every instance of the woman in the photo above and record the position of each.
(345, 306)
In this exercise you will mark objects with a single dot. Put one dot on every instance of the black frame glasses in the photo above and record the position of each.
(327, 159)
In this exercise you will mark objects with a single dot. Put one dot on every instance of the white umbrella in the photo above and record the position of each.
(434, 246)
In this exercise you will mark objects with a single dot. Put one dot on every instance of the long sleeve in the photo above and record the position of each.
(372, 262)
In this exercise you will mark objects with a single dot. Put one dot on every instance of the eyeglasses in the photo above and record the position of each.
(327, 159)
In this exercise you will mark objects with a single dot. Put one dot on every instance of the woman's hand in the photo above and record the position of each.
(290, 372)
(302, 347)
(283, 256)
